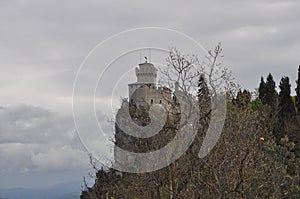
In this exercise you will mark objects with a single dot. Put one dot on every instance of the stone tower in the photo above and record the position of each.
(142, 94)
(145, 90)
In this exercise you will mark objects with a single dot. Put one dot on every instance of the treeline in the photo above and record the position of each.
(257, 155)
(283, 108)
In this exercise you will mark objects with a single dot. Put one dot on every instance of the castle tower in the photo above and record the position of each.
(146, 73)
(145, 91)
(142, 94)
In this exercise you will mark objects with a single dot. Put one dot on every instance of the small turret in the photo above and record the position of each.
(146, 73)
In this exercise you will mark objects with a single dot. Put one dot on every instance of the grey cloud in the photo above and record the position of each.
(31, 124)
(33, 137)
(36, 138)
(42, 44)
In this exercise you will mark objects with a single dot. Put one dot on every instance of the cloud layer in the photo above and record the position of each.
(42, 44)
(35, 139)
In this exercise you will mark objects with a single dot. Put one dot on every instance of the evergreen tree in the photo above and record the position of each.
(243, 99)
(270, 92)
(286, 105)
(203, 92)
(298, 92)
(262, 91)
(267, 93)
(203, 97)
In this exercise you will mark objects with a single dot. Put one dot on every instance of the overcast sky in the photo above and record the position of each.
(42, 44)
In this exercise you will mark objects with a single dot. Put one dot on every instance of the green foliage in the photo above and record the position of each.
(286, 109)
(242, 99)
(294, 99)
(271, 93)
(262, 91)
(267, 92)
(286, 106)
(256, 105)
(298, 92)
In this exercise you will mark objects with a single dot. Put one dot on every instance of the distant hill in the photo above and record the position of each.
(69, 190)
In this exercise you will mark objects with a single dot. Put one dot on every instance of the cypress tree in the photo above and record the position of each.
(286, 108)
(262, 91)
(203, 91)
(243, 99)
(267, 93)
(203, 99)
(270, 92)
(298, 92)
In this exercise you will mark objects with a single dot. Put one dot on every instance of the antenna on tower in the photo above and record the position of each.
(149, 55)
(140, 57)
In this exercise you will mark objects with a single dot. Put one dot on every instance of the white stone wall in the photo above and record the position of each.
(144, 91)
(151, 95)
(146, 73)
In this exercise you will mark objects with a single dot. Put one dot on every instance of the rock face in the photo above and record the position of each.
(143, 96)
(139, 112)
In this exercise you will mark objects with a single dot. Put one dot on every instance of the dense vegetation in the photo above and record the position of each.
(257, 155)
